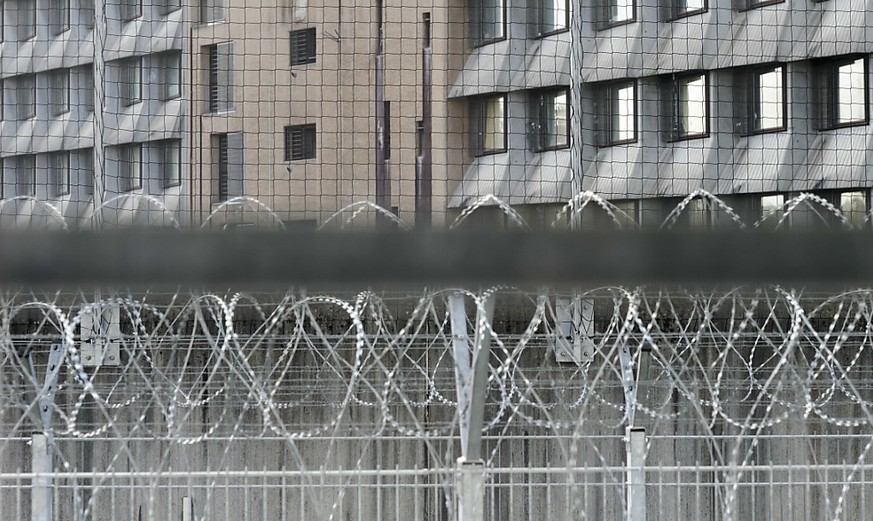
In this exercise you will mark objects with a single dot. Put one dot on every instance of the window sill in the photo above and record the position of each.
(303, 63)
(681, 16)
(612, 25)
(171, 98)
(848, 124)
(219, 112)
(688, 137)
(761, 4)
(175, 184)
(483, 153)
(552, 33)
(483, 43)
(609, 144)
(128, 20)
(763, 131)
(556, 147)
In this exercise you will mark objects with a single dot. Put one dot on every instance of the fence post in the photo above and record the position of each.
(471, 490)
(41, 488)
(187, 509)
(636, 477)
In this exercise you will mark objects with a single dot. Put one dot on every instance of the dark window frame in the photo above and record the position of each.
(18, 89)
(60, 181)
(65, 105)
(62, 24)
(750, 84)
(307, 138)
(131, 86)
(476, 24)
(675, 14)
(477, 122)
(603, 16)
(605, 98)
(169, 6)
(30, 183)
(748, 5)
(30, 34)
(670, 95)
(166, 148)
(540, 122)
(827, 70)
(135, 15)
(126, 160)
(170, 90)
(303, 46)
(537, 9)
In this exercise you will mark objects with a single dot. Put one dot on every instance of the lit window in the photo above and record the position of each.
(699, 213)
(760, 95)
(617, 113)
(171, 69)
(770, 209)
(853, 205)
(59, 91)
(843, 92)
(59, 173)
(488, 21)
(59, 16)
(682, 8)
(130, 167)
(130, 80)
(303, 46)
(488, 125)
(25, 92)
(221, 98)
(616, 12)
(300, 142)
(550, 121)
(212, 10)
(688, 109)
(550, 16)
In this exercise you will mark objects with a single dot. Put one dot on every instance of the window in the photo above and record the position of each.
(744, 5)
(59, 91)
(616, 12)
(683, 8)
(853, 205)
(221, 77)
(229, 163)
(86, 13)
(303, 46)
(488, 125)
(386, 129)
(549, 17)
(627, 213)
(86, 88)
(769, 210)
(25, 92)
(687, 106)
(616, 113)
(59, 16)
(488, 21)
(212, 11)
(25, 175)
(760, 98)
(171, 74)
(300, 142)
(171, 164)
(59, 173)
(549, 119)
(168, 6)
(130, 9)
(130, 167)
(86, 169)
(842, 89)
(25, 22)
(699, 213)
(130, 81)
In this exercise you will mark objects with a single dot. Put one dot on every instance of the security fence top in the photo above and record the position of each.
(147, 258)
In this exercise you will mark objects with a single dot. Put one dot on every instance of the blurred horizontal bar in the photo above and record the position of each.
(404, 259)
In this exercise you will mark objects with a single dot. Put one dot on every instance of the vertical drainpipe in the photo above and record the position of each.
(424, 173)
(383, 173)
(99, 106)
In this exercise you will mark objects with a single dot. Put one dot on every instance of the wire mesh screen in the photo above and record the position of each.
(438, 404)
(224, 113)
